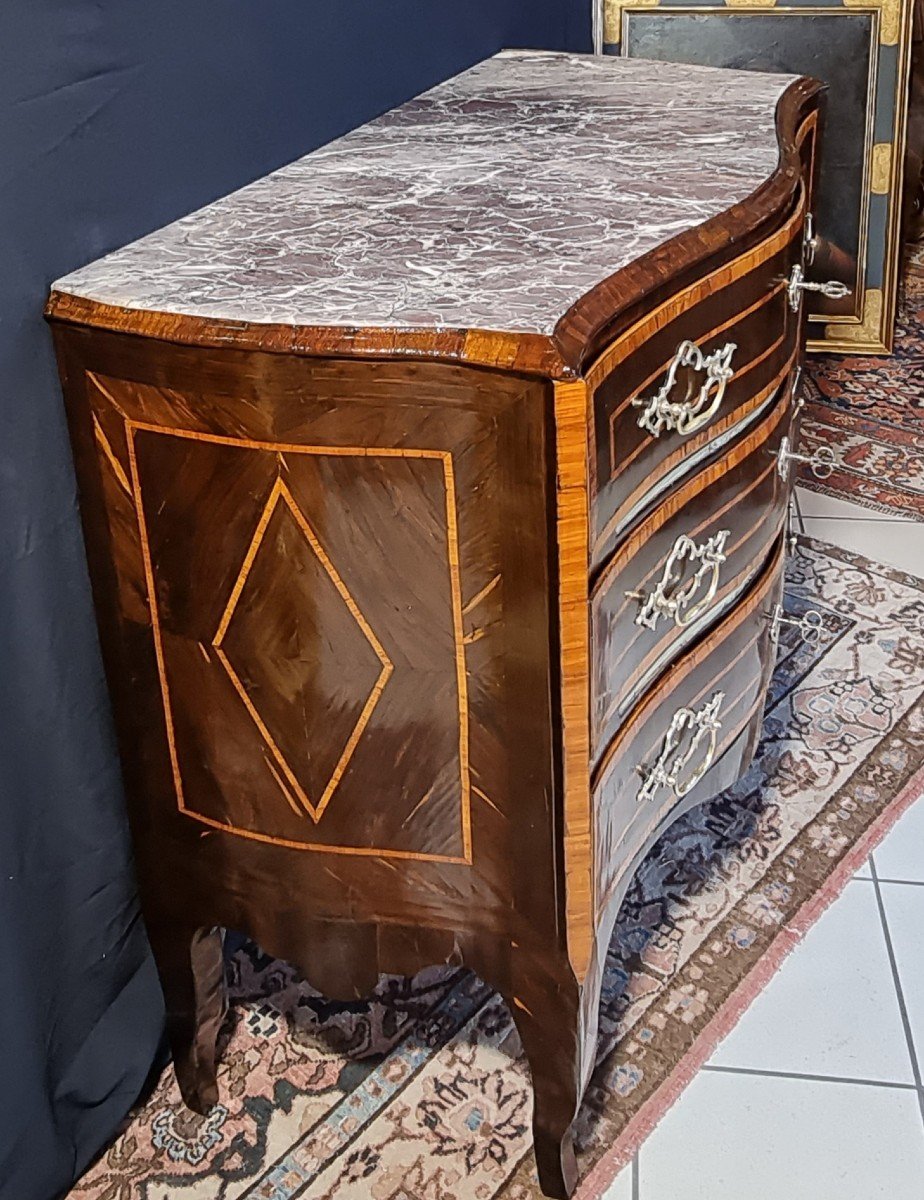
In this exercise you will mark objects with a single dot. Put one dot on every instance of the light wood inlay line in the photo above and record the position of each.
(808, 126)
(132, 428)
(220, 439)
(715, 281)
(479, 596)
(455, 583)
(155, 620)
(419, 805)
(323, 848)
(282, 787)
(243, 574)
(573, 517)
(101, 387)
(281, 494)
(107, 450)
(487, 799)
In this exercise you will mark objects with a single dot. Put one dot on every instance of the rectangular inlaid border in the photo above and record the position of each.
(132, 485)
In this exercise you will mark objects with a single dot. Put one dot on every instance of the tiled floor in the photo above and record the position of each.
(817, 1094)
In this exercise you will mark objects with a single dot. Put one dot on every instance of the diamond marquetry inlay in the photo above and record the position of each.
(300, 654)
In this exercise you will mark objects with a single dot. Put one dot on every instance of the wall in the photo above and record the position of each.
(117, 116)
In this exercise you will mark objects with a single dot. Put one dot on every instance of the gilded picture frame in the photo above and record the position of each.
(862, 49)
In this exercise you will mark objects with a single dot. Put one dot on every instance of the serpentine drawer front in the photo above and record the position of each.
(683, 566)
(433, 491)
(678, 735)
(691, 375)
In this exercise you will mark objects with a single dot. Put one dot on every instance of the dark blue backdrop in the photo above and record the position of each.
(117, 116)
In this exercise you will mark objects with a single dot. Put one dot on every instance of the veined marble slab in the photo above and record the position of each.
(494, 201)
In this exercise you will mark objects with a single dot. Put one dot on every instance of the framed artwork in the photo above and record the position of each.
(862, 50)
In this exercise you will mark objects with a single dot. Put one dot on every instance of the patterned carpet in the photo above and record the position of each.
(421, 1094)
(870, 411)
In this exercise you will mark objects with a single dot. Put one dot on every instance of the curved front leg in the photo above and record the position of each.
(550, 1011)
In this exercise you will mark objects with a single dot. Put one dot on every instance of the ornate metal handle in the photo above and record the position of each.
(795, 389)
(809, 240)
(822, 462)
(810, 624)
(686, 416)
(672, 766)
(675, 602)
(792, 538)
(833, 289)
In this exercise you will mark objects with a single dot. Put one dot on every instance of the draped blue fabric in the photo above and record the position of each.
(117, 116)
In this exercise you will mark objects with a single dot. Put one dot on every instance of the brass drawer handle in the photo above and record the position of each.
(669, 597)
(687, 416)
(833, 289)
(822, 462)
(672, 767)
(810, 624)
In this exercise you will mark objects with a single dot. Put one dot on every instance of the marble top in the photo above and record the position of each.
(494, 201)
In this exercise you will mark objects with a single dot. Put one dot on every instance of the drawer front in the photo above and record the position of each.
(683, 567)
(680, 356)
(674, 741)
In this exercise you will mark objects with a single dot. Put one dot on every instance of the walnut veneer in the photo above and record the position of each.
(376, 601)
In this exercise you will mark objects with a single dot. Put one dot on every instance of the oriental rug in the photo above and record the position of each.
(420, 1093)
(870, 411)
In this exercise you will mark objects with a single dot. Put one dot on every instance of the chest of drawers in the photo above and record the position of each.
(434, 494)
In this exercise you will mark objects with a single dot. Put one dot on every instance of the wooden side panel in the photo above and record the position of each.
(324, 598)
(273, 569)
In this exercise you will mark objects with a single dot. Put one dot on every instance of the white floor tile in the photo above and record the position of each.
(832, 1009)
(901, 853)
(749, 1137)
(864, 871)
(904, 906)
(621, 1187)
(895, 542)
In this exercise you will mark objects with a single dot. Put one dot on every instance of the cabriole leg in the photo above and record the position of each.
(547, 1009)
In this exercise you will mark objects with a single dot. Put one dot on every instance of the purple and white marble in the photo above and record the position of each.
(494, 201)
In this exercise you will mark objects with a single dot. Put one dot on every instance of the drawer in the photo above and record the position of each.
(676, 356)
(673, 744)
(683, 567)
